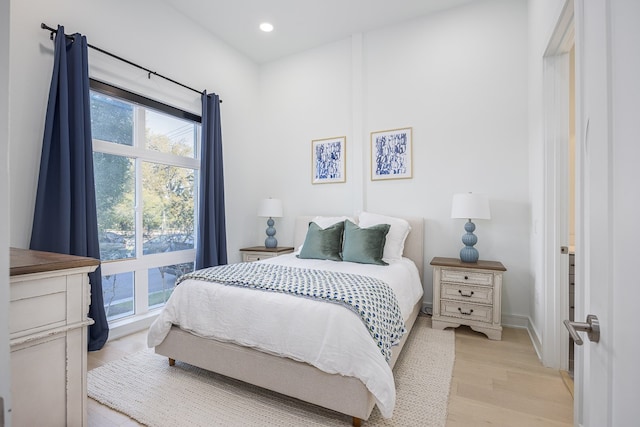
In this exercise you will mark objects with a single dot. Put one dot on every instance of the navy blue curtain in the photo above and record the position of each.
(211, 248)
(65, 219)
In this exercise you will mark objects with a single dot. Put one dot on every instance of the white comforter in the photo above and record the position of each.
(325, 335)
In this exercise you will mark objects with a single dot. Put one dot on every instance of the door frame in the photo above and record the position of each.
(556, 80)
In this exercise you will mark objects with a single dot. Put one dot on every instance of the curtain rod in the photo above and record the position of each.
(54, 31)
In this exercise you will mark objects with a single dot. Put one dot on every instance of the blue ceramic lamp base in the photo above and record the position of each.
(469, 253)
(270, 241)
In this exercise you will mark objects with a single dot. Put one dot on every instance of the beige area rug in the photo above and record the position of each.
(146, 388)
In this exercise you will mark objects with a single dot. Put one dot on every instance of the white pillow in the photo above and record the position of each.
(328, 221)
(394, 246)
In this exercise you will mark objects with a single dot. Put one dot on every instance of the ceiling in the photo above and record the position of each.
(299, 24)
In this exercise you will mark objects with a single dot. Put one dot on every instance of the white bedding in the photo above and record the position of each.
(327, 336)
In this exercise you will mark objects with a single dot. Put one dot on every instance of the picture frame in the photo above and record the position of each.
(391, 154)
(328, 160)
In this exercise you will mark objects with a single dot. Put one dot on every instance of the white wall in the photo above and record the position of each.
(5, 383)
(153, 35)
(303, 97)
(459, 78)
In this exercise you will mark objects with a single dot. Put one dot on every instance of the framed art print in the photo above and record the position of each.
(391, 154)
(328, 160)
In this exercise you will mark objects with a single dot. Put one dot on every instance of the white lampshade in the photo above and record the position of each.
(470, 206)
(270, 208)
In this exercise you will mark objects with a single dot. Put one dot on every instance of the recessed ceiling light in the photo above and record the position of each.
(266, 27)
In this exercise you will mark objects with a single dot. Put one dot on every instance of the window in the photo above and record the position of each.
(146, 173)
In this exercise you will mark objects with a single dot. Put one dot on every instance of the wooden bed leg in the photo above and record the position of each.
(357, 422)
(172, 362)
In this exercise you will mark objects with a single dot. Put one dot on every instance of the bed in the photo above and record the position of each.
(314, 381)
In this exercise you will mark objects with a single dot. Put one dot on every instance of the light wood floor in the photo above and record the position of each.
(503, 383)
(498, 383)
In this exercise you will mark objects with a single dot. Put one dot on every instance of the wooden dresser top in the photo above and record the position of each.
(26, 261)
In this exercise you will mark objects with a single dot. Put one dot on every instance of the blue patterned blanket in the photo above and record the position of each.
(370, 298)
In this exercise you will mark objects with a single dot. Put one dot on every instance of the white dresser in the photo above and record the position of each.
(468, 294)
(49, 302)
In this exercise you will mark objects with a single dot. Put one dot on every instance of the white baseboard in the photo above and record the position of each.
(515, 321)
(535, 339)
(524, 322)
(131, 325)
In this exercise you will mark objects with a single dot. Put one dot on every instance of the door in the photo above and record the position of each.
(607, 209)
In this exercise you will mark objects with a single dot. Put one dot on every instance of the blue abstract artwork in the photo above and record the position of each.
(391, 154)
(328, 160)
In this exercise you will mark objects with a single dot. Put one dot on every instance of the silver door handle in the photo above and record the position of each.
(591, 327)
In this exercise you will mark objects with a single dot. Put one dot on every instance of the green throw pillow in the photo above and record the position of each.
(364, 245)
(323, 243)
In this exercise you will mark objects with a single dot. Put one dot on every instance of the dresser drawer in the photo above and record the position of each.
(467, 277)
(473, 294)
(460, 310)
(38, 303)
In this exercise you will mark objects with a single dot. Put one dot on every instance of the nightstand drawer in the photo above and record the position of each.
(459, 310)
(257, 253)
(473, 294)
(249, 257)
(467, 277)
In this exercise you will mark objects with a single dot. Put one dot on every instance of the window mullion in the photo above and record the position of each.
(139, 128)
(138, 143)
(135, 152)
(142, 283)
(139, 208)
(141, 289)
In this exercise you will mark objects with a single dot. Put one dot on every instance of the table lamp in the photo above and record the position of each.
(270, 208)
(470, 206)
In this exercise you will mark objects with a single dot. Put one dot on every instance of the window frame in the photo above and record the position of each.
(140, 264)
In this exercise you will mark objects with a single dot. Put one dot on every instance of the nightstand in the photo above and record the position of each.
(468, 294)
(256, 253)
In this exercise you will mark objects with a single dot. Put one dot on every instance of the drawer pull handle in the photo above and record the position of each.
(466, 313)
(469, 295)
(466, 277)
